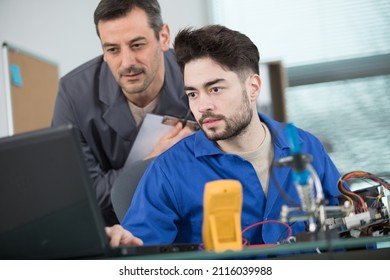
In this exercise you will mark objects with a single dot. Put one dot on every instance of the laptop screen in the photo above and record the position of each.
(47, 204)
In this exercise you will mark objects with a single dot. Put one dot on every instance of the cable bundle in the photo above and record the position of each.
(354, 198)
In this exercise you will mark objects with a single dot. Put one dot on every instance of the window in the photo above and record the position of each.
(347, 106)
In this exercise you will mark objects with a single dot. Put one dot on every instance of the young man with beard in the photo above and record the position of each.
(222, 82)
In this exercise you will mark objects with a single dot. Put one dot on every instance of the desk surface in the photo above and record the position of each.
(349, 248)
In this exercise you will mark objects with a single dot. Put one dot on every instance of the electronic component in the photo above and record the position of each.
(369, 214)
(222, 215)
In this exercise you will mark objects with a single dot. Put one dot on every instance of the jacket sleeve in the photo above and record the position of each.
(66, 113)
(153, 214)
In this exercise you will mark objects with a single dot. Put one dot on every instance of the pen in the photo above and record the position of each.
(185, 119)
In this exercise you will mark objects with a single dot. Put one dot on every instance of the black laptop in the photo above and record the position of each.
(48, 208)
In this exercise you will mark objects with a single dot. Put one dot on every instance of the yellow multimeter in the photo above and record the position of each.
(222, 215)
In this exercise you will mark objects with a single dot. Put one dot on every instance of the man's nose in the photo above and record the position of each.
(205, 103)
(128, 58)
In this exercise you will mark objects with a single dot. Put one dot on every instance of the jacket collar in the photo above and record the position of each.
(116, 112)
(205, 147)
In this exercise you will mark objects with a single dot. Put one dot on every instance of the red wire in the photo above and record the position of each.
(245, 241)
(262, 223)
(360, 175)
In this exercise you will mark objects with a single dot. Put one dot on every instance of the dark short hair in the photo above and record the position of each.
(113, 9)
(229, 48)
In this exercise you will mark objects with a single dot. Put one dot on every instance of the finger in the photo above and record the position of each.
(114, 234)
(174, 131)
(119, 236)
(186, 131)
(130, 239)
(179, 125)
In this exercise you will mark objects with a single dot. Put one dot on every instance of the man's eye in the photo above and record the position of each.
(112, 50)
(215, 89)
(137, 46)
(191, 94)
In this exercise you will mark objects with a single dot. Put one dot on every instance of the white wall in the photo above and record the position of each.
(64, 32)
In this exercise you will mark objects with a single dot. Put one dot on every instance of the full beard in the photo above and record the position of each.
(235, 125)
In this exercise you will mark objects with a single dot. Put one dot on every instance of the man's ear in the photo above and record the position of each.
(255, 86)
(165, 37)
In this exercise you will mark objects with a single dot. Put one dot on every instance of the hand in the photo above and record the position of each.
(119, 236)
(172, 137)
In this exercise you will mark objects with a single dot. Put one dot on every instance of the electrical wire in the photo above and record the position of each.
(362, 175)
(350, 194)
(283, 232)
(288, 227)
(245, 242)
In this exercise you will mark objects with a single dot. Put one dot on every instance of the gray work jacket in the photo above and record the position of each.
(90, 98)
